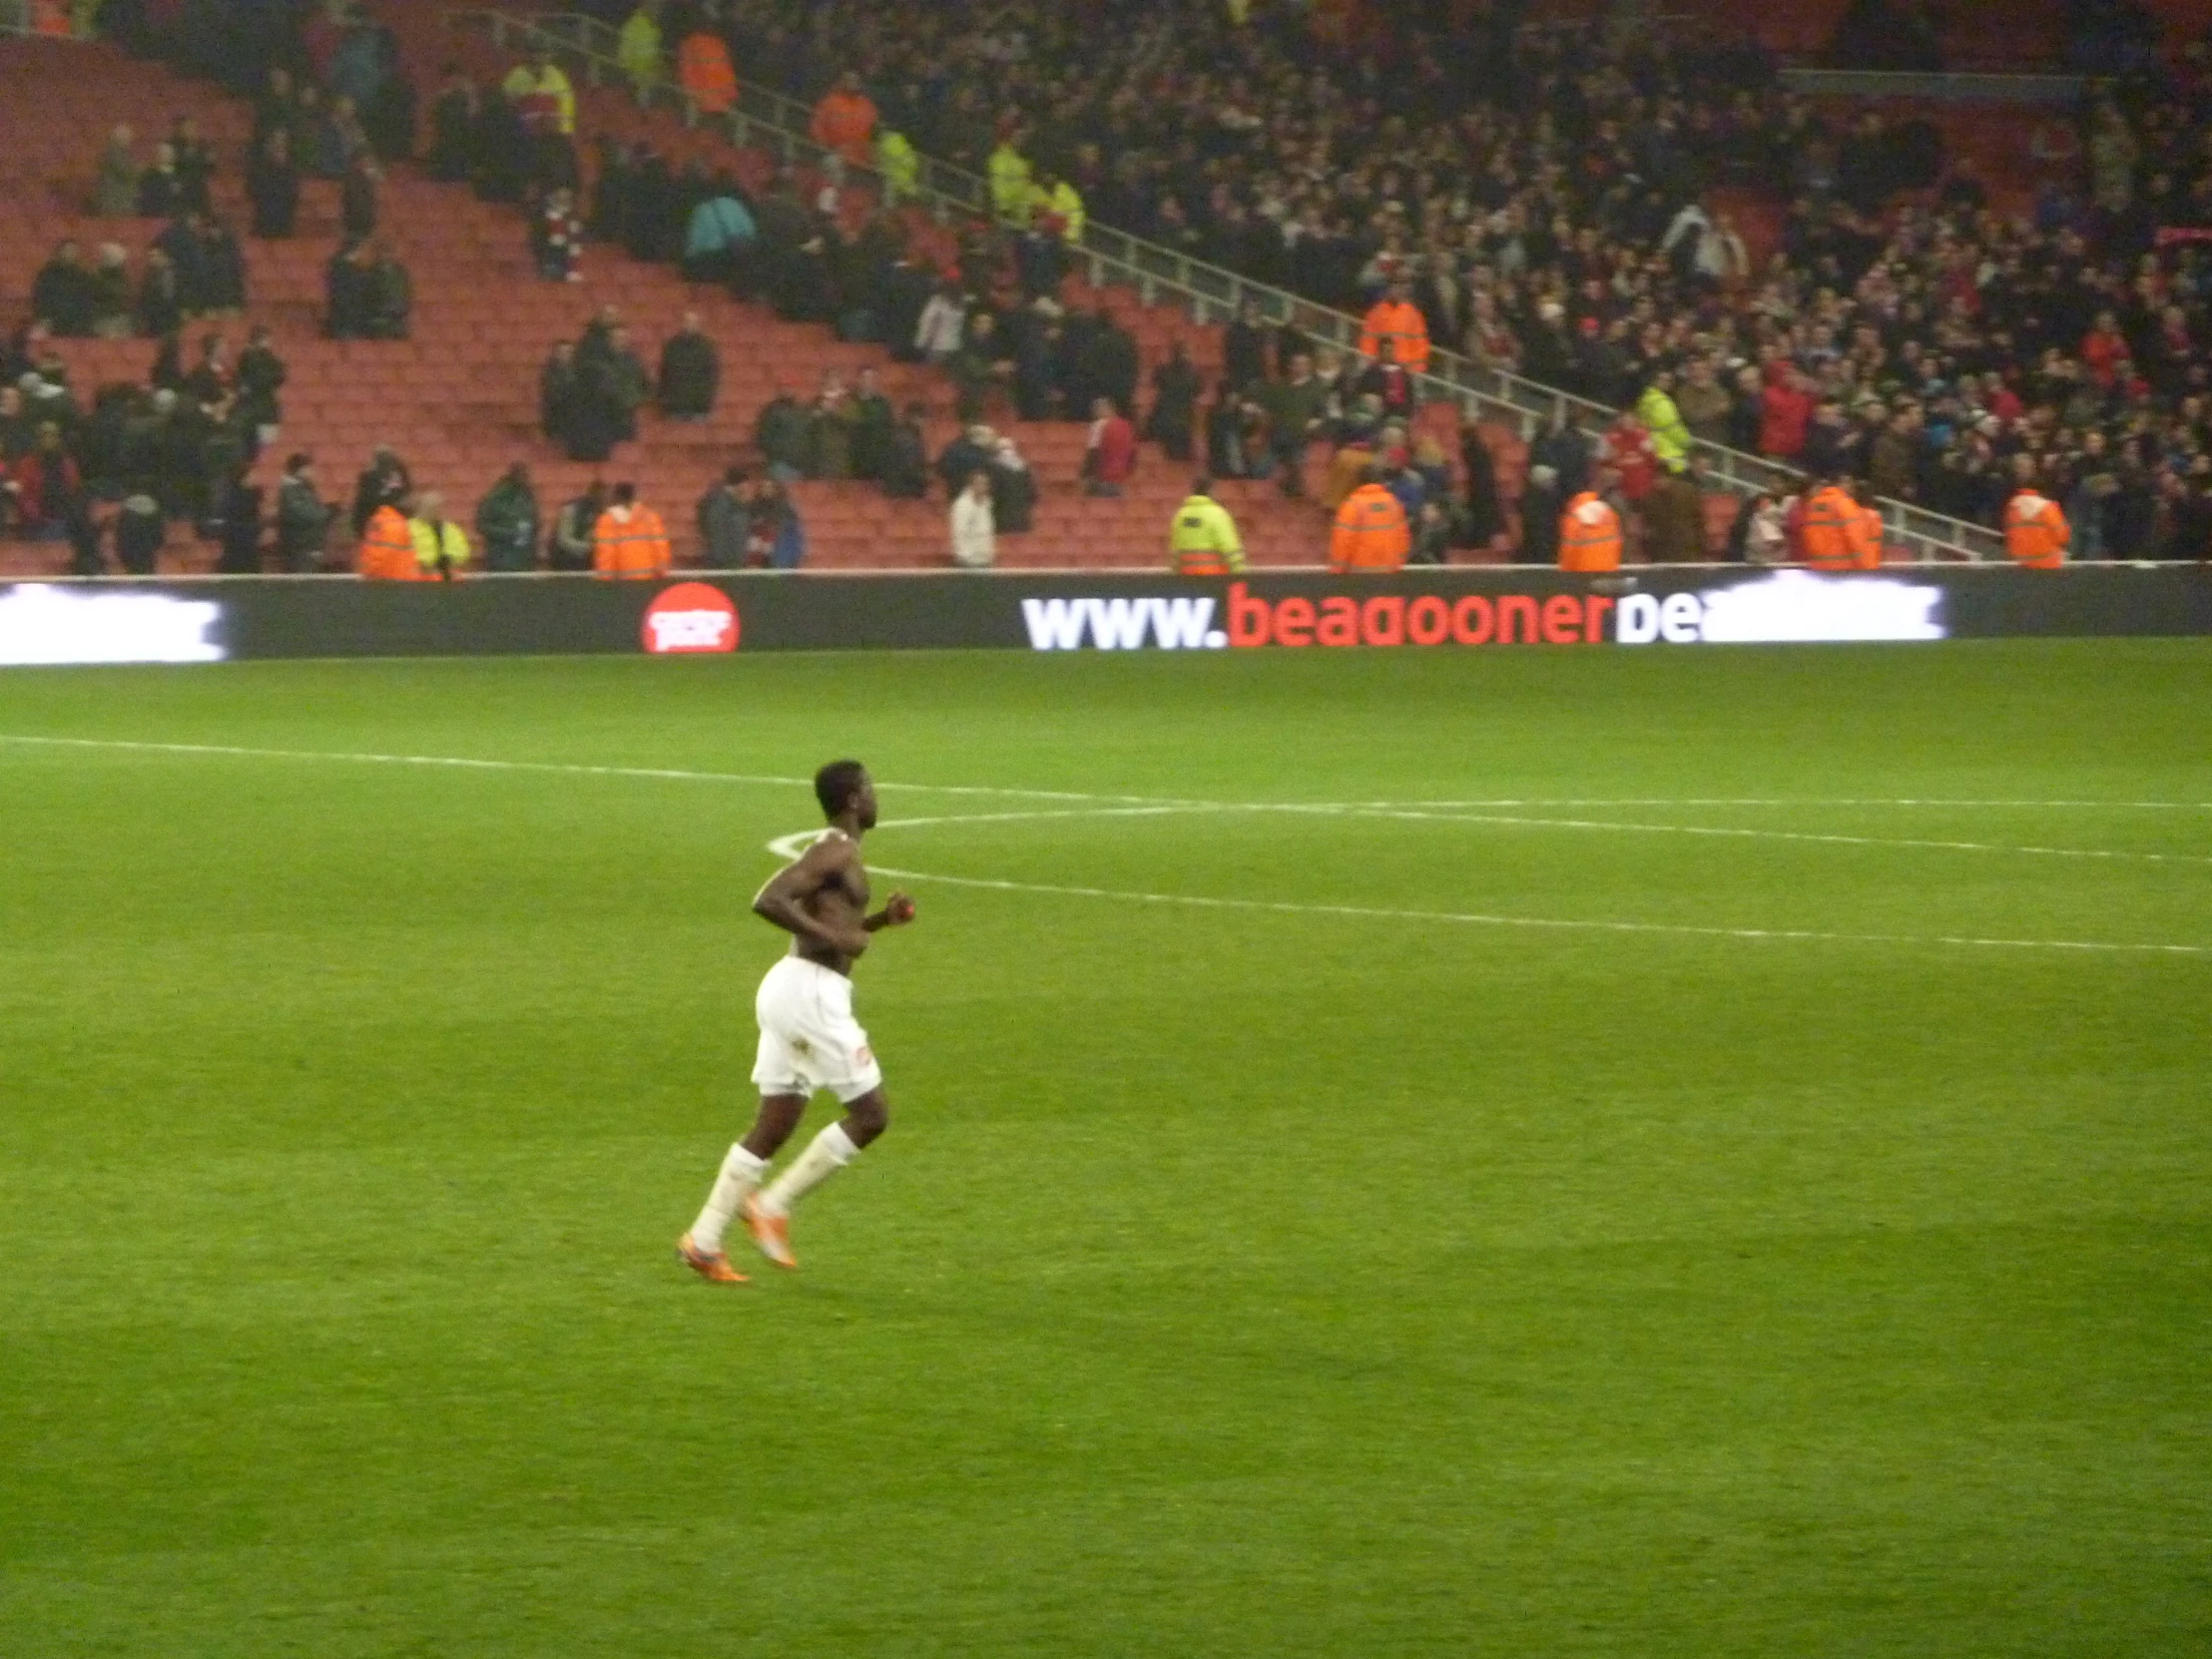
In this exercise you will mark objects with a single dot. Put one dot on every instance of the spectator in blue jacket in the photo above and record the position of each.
(718, 241)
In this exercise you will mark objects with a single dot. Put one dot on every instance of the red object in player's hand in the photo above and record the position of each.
(900, 909)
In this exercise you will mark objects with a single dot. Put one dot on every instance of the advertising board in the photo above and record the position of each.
(1495, 608)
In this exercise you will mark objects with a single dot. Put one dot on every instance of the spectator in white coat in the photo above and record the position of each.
(943, 325)
(974, 527)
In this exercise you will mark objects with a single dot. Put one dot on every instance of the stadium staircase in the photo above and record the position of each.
(458, 400)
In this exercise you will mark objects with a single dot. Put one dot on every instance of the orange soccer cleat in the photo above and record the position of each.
(709, 1264)
(773, 1232)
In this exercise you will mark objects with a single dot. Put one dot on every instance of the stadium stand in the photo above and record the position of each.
(458, 400)
(1549, 177)
(1576, 223)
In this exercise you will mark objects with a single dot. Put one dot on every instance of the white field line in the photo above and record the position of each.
(558, 768)
(1144, 805)
(1331, 809)
(791, 845)
(1795, 800)
(1774, 834)
(1473, 918)
(769, 779)
(1278, 906)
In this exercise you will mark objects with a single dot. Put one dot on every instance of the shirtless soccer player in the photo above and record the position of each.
(809, 1038)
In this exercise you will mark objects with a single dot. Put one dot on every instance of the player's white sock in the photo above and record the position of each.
(830, 1152)
(741, 1173)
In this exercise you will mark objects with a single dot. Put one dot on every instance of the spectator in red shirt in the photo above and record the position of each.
(1111, 456)
(2104, 350)
(1785, 412)
(1628, 451)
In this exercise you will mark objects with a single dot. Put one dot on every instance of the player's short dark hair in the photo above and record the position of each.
(835, 785)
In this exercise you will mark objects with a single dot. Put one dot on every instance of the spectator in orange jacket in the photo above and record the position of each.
(1397, 319)
(704, 70)
(388, 547)
(2035, 530)
(628, 543)
(1371, 533)
(844, 121)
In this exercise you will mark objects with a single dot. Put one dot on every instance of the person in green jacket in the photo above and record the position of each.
(507, 522)
(899, 164)
(1009, 174)
(440, 545)
(1053, 196)
(1670, 433)
(1203, 540)
(639, 47)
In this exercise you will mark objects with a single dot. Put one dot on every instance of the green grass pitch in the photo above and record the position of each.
(1308, 1281)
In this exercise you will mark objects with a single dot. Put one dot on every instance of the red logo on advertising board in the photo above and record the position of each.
(691, 617)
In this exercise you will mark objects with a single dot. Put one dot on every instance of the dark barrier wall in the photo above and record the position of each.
(1432, 609)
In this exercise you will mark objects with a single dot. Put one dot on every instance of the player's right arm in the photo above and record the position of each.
(785, 901)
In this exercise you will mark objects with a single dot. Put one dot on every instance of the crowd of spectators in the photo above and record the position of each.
(1540, 202)
(108, 475)
(177, 448)
(1549, 211)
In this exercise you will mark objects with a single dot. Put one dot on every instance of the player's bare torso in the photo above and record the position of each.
(838, 900)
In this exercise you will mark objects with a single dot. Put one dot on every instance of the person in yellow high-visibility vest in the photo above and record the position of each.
(1203, 540)
(542, 95)
(440, 547)
(638, 47)
(899, 164)
(1009, 174)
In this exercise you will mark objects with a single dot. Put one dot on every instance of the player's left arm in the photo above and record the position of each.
(898, 911)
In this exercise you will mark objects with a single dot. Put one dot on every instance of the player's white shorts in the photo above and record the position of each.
(808, 1037)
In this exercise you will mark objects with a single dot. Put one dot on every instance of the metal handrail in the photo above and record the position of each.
(1935, 86)
(1211, 293)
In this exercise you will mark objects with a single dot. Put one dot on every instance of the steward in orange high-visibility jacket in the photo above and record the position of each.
(702, 69)
(387, 548)
(1829, 515)
(629, 542)
(2036, 533)
(1589, 534)
(1370, 532)
(1397, 319)
(844, 121)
